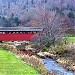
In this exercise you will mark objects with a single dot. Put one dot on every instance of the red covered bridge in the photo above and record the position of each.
(18, 33)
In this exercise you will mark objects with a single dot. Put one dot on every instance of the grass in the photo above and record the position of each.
(11, 65)
(70, 39)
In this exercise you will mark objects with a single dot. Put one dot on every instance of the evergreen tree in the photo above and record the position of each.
(17, 21)
(71, 15)
(45, 1)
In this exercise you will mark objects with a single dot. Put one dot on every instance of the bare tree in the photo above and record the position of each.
(52, 30)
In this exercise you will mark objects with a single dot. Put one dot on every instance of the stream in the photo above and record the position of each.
(52, 65)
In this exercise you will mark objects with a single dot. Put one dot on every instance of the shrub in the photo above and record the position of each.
(42, 69)
(62, 49)
(46, 49)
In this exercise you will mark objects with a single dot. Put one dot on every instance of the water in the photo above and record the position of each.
(52, 65)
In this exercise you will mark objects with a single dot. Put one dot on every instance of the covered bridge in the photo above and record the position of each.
(18, 33)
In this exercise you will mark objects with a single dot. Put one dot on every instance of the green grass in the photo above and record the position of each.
(70, 39)
(11, 65)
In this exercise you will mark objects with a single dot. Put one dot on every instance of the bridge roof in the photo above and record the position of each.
(21, 29)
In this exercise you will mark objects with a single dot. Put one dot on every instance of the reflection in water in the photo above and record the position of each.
(53, 66)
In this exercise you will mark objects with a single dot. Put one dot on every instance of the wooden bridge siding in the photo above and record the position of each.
(16, 37)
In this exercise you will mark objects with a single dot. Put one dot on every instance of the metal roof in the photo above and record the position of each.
(21, 29)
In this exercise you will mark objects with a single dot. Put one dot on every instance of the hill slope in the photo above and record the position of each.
(10, 65)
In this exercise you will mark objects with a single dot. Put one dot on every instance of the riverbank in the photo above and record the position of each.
(33, 60)
(11, 65)
(60, 65)
(64, 58)
(63, 55)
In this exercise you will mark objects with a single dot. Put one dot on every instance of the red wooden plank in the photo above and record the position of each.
(16, 37)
